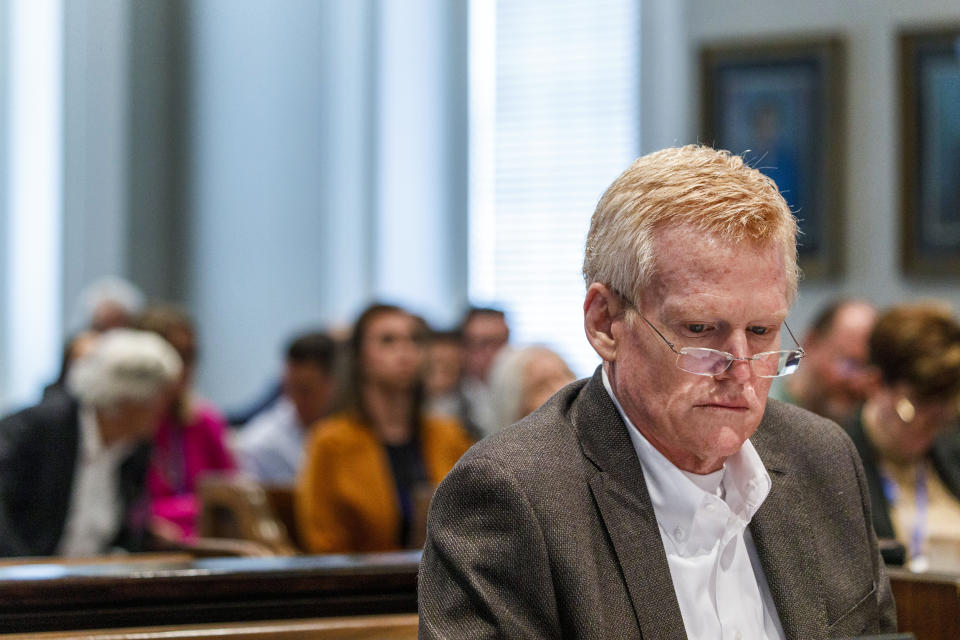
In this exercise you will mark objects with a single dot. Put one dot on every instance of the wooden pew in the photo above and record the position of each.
(58, 597)
(386, 627)
(237, 506)
(281, 499)
(130, 559)
(928, 605)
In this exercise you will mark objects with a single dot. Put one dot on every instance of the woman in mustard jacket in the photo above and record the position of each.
(369, 467)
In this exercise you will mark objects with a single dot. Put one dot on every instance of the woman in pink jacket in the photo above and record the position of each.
(190, 440)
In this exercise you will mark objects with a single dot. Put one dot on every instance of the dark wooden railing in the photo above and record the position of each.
(380, 627)
(164, 590)
(52, 597)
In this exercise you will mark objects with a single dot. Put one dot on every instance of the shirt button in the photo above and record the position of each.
(711, 507)
(679, 534)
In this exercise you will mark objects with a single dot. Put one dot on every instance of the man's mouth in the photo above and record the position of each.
(729, 406)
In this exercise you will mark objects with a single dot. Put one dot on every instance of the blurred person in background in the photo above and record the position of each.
(371, 467)
(485, 333)
(523, 379)
(271, 446)
(108, 303)
(834, 380)
(72, 469)
(75, 347)
(191, 438)
(443, 372)
(907, 433)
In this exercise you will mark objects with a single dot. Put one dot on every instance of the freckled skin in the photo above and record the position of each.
(711, 293)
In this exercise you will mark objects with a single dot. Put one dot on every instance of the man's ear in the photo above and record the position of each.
(600, 308)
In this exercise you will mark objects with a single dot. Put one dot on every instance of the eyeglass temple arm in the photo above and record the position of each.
(649, 324)
(795, 341)
(662, 337)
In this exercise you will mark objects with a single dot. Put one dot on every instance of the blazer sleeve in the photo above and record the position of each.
(485, 572)
(14, 474)
(886, 607)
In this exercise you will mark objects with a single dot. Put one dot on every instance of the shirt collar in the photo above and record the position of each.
(676, 498)
(91, 442)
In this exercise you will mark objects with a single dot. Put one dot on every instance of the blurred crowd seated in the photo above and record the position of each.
(342, 455)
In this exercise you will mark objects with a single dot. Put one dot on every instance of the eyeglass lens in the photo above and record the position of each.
(711, 363)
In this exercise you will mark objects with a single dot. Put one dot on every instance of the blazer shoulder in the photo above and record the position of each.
(789, 432)
(54, 415)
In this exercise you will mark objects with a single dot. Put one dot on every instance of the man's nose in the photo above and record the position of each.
(739, 370)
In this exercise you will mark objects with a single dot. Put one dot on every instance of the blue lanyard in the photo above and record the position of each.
(892, 492)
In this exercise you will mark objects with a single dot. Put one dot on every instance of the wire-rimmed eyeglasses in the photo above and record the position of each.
(702, 361)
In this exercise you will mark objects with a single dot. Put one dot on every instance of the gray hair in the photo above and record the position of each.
(107, 290)
(711, 191)
(508, 381)
(124, 366)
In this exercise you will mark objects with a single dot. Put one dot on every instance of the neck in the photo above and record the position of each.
(110, 429)
(688, 463)
(389, 411)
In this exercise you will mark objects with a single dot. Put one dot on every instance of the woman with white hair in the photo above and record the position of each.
(523, 379)
(72, 468)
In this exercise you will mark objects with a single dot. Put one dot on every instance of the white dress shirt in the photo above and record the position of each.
(716, 573)
(271, 447)
(93, 518)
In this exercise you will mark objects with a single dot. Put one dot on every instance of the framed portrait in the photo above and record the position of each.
(779, 104)
(930, 142)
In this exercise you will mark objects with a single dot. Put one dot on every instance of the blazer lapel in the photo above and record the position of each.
(785, 545)
(627, 513)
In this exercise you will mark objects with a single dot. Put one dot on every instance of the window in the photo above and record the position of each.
(31, 213)
(554, 100)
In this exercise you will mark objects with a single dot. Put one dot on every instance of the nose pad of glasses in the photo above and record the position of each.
(740, 368)
(703, 362)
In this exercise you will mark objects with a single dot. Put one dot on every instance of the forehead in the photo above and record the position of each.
(704, 273)
(305, 369)
(485, 323)
(390, 322)
(853, 319)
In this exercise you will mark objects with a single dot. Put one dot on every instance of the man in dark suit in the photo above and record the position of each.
(664, 497)
(72, 468)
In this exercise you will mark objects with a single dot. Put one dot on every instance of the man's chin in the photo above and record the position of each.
(729, 438)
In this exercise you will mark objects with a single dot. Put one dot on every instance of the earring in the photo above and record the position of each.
(906, 410)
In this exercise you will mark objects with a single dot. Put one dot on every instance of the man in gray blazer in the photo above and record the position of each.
(665, 497)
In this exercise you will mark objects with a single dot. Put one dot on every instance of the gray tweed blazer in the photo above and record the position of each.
(546, 530)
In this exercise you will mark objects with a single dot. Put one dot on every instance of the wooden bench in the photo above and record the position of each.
(386, 627)
(57, 597)
(237, 506)
(928, 605)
